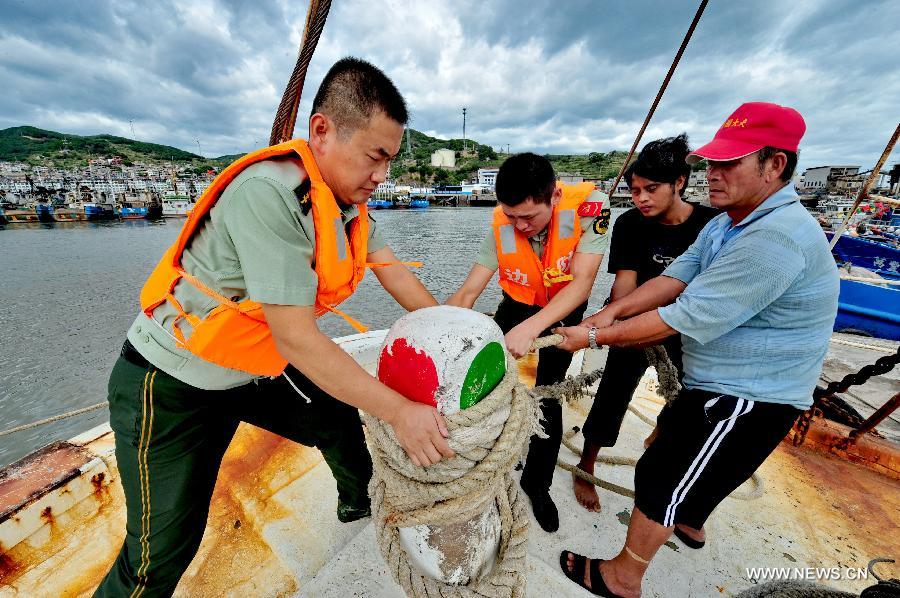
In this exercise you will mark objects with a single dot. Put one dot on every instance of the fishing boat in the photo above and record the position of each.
(44, 211)
(176, 206)
(69, 214)
(419, 202)
(3, 219)
(144, 205)
(482, 196)
(869, 300)
(868, 308)
(20, 216)
(131, 212)
(401, 201)
(379, 204)
(873, 254)
(96, 211)
(272, 528)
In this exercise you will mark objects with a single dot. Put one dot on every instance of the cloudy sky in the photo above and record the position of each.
(561, 76)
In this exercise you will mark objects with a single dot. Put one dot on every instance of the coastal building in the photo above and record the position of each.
(697, 181)
(444, 158)
(385, 190)
(828, 179)
(488, 177)
(569, 178)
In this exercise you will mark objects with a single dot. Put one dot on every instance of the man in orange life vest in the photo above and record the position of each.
(547, 240)
(227, 330)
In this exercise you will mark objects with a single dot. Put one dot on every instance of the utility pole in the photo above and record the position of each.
(464, 128)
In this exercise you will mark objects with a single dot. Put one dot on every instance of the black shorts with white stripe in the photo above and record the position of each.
(708, 444)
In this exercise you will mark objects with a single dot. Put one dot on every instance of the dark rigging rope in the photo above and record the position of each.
(286, 117)
(659, 94)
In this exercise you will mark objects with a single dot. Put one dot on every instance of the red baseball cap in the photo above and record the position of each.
(750, 128)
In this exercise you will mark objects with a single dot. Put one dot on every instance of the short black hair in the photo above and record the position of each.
(352, 91)
(524, 176)
(663, 161)
(789, 168)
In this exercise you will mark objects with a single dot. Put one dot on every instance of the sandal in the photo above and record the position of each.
(598, 586)
(689, 541)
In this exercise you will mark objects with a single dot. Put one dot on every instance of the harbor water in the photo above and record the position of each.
(69, 291)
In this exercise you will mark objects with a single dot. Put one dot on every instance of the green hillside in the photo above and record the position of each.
(48, 148)
(413, 165)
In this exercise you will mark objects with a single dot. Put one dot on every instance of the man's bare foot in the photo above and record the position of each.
(586, 492)
(649, 440)
(610, 579)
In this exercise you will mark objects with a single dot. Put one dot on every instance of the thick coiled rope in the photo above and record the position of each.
(489, 438)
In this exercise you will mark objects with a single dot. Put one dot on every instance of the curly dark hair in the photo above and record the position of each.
(662, 161)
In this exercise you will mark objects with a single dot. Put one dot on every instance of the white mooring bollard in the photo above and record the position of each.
(451, 358)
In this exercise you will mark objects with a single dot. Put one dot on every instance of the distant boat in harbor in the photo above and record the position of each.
(44, 211)
(133, 208)
(379, 204)
(69, 214)
(176, 206)
(20, 215)
(482, 196)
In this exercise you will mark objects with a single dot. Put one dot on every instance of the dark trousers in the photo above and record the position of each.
(708, 445)
(623, 371)
(170, 440)
(552, 365)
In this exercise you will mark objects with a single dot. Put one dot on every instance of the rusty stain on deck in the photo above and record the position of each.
(27, 480)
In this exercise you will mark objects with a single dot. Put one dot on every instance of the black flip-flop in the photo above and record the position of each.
(689, 541)
(598, 586)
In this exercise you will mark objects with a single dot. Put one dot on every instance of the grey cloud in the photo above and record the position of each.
(547, 76)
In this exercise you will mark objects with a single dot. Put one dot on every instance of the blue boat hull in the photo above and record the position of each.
(132, 213)
(870, 309)
(880, 258)
(44, 213)
(379, 204)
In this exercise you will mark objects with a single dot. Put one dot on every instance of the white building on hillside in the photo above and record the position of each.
(443, 158)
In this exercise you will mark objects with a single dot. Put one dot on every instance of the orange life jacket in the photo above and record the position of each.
(527, 278)
(235, 334)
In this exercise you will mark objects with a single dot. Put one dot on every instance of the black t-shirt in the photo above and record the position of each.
(647, 246)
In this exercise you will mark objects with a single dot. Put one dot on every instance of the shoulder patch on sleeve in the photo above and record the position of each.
(601, 222)
(302, 195)
(590, 208)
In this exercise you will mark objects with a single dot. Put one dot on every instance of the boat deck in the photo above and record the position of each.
(272, 529)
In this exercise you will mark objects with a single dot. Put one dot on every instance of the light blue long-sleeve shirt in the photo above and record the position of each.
(760, 304)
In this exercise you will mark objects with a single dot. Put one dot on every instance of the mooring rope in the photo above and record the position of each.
(489, 438)
(55, 418)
